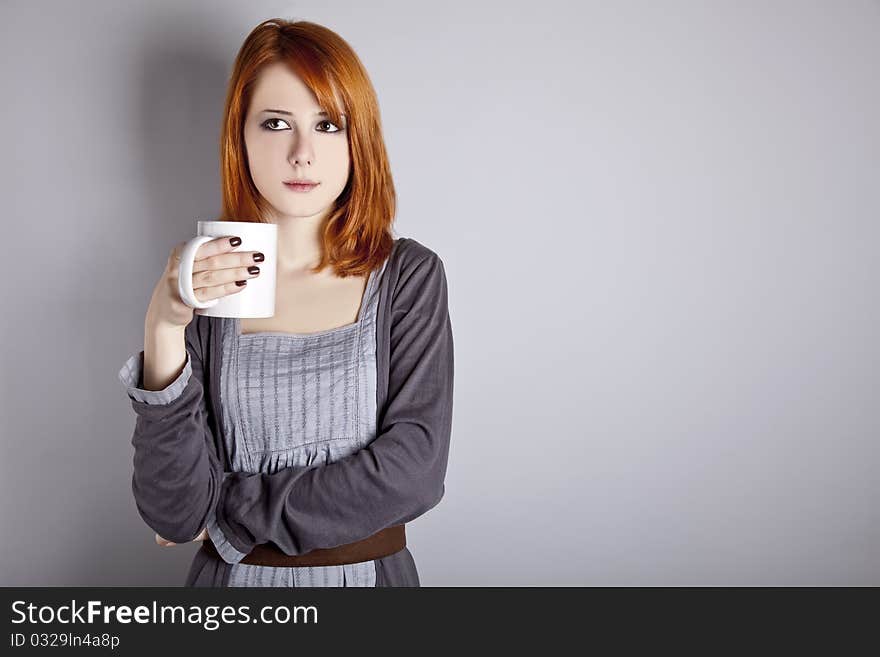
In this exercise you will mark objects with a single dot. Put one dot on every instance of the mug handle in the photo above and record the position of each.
(185, 273)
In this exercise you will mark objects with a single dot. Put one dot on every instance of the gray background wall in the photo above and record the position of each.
(660, 230)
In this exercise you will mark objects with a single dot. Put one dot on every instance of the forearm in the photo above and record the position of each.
(301, 509)
(164, 354)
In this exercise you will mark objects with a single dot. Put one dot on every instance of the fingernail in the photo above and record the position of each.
(241, 283)
(259, 257)
(235, 241)
(253, 270)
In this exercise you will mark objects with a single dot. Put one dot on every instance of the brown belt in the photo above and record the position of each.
(381, 544)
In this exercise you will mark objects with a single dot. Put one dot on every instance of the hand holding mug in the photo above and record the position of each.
(217, 271)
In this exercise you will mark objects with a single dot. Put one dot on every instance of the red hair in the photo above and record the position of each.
(356, 235)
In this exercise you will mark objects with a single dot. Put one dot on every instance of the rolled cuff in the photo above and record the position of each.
(226, 550)
(131, 376)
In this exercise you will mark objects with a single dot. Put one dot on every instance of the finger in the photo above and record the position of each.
(215, 247)
(206, 250)
(227, 260)
(223, 276)
(217, 291)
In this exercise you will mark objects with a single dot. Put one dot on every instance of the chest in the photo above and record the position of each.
(308, 305)
(300, 391)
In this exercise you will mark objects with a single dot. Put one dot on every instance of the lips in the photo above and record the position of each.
(300, 187)
(300, 181)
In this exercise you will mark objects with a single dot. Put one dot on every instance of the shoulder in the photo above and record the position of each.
(410, 257)
(416, 274)
(410, 253)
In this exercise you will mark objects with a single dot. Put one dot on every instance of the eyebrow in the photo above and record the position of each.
(278, 111)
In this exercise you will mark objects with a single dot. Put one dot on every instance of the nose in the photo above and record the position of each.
(302, 152)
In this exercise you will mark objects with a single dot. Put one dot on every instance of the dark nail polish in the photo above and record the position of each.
(259, 257)
(253, 270)
(241, 283)
(235, 241)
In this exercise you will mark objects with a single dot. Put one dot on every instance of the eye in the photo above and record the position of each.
(267, 121)
(265, 125)
(329, 123)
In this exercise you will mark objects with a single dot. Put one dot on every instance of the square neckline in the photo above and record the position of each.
(315, 334)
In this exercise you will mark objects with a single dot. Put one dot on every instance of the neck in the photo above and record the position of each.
(299, 243)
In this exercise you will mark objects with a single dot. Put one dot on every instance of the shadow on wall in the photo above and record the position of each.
(179, 77)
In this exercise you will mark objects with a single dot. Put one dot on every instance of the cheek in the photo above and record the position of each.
(340, 159)
(261, 158)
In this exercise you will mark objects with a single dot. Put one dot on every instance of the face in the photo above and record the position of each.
(293, 142)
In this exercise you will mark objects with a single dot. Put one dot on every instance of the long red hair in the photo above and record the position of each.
(357, 234)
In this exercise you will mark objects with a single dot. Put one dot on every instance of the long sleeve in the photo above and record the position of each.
(224, 548)
(395, 478)
(177, 476)
(132, 373)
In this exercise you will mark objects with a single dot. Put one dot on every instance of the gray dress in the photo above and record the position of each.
(293, 399)
(296, 400)
(276, 438)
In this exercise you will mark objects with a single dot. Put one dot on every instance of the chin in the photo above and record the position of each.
(297, 211)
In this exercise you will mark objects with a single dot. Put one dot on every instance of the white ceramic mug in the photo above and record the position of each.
(257, 299)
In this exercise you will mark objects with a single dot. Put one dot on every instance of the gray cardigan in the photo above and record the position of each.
(181, 470)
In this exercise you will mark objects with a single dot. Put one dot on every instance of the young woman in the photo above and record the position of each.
(297, 447)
